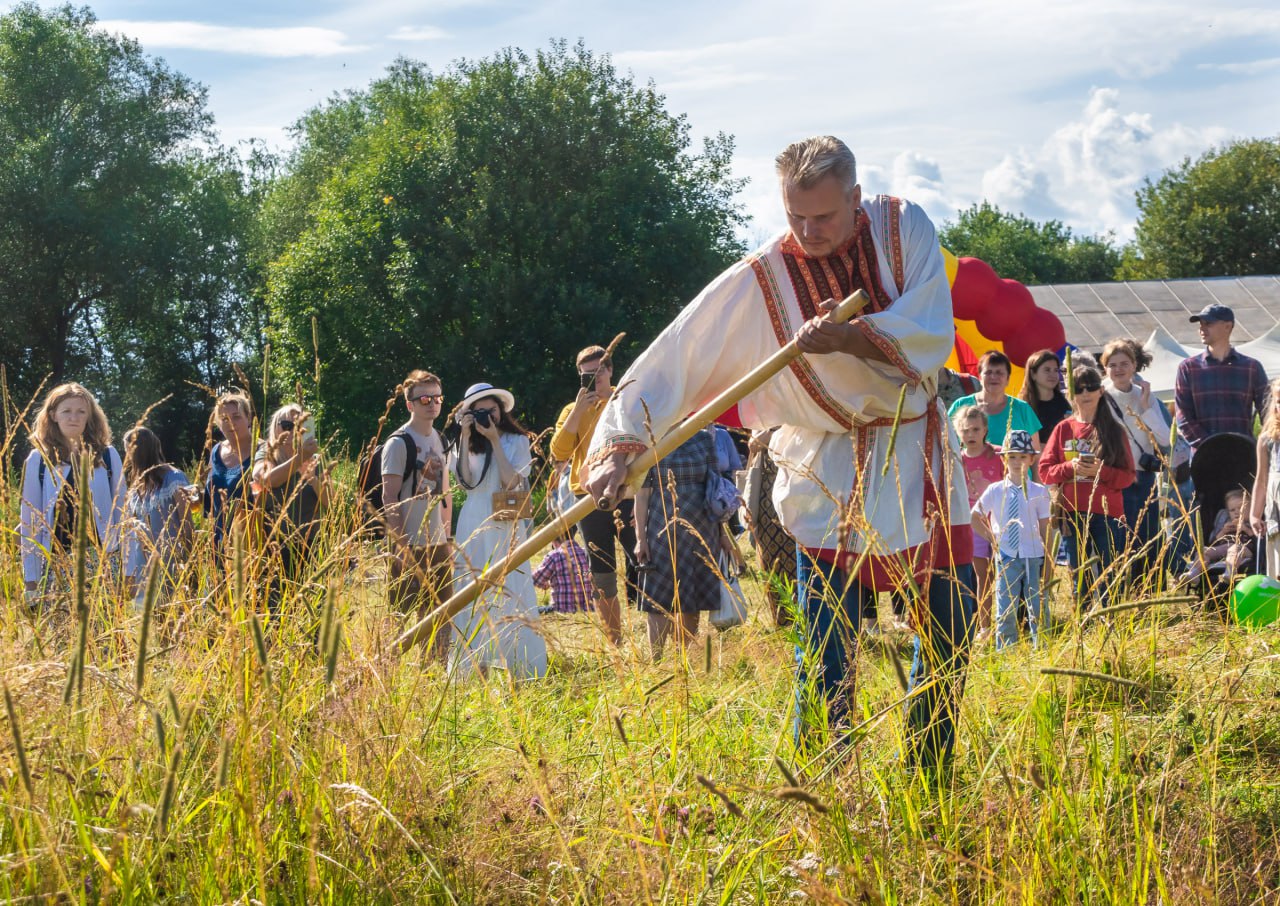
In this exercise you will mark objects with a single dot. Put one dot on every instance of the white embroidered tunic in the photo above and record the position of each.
(835, 410)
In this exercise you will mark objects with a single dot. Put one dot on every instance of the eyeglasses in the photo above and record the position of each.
(428, 398)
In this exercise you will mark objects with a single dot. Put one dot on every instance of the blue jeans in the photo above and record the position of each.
(1018, 579)
(1142, 514)
(1090, 535)
(830, 604)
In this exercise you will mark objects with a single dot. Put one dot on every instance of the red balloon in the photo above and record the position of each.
(975, 286)
(1042, 330)
(965, 356)
(1008, 311)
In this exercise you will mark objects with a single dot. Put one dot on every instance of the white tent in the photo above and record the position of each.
(1266, 349)
(1166, 354)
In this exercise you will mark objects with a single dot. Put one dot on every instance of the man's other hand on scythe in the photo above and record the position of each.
(604, 480)
(820, 336)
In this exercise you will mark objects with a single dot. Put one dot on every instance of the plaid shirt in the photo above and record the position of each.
(1217, 396)
(567, 572)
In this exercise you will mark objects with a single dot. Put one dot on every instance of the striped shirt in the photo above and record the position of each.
(1219, 396)
(567, 572)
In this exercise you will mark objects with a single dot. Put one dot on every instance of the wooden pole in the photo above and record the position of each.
(494, 574)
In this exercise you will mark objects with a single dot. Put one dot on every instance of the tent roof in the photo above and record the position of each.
(1094, 313)
(1266, 349)
(1166, 354)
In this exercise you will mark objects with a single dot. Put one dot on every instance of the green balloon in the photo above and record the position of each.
(1255, 601)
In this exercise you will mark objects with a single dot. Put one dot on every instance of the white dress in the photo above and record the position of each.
(500, 628)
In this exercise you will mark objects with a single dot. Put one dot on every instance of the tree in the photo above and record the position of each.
(1218, 216)
(486, 224)
(1019, 248)
(120, 251)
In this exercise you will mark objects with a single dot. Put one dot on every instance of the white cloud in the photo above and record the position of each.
(1252, 67)
(418, 33)
(259, 42)
(1086, 172)
(919, 178)
(709, 67)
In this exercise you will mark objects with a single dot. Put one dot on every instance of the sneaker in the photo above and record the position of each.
(870, 630)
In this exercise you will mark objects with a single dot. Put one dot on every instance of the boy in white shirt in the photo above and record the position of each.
(416, 504)
(1013, 514)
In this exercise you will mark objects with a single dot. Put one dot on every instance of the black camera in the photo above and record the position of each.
(481, 416)
(1149, 462)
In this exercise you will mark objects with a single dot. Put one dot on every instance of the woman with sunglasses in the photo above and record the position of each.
(492, 456)
(1087, 457)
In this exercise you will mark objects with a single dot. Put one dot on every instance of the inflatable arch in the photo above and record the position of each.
(991, 313)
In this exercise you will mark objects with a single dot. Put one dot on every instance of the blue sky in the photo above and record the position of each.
(1052, 109)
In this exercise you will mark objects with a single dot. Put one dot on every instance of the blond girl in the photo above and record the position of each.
(69, 429)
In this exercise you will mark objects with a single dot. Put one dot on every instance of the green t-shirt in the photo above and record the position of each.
(1017, 415)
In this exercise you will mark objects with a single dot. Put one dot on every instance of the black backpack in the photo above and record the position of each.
(106, 461)
(370, 492)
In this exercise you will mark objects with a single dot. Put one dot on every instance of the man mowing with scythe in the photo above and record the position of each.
(864, 452)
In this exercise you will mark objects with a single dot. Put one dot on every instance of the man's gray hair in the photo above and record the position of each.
(806, 162)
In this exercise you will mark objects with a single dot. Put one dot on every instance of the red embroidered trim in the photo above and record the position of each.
(893, 240)
(782, 330)
(816, 279)
(623, 443)
(891, 348)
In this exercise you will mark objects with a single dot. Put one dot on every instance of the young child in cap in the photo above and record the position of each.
(1013, 515)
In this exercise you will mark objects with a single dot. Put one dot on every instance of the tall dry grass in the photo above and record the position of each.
(192, 749)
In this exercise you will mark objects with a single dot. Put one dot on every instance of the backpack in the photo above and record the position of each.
(106, 461)
(369, 492)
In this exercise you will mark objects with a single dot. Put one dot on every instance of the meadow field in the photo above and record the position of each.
(194, 751)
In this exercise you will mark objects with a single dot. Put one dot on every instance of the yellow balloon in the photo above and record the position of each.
(968, 331)
(952, 265)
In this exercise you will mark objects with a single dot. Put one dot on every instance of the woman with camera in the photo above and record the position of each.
(293, 491)
(1087, 457)
(1146, 425)
(490, 460)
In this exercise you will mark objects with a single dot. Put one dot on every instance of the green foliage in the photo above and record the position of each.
(120, 244)
(1019, 248)
(486, 224)
(1218, 216)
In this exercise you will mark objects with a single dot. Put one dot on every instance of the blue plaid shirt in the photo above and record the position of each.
(1217, 396)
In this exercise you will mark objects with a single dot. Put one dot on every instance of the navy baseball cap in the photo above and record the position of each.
(1214, 312)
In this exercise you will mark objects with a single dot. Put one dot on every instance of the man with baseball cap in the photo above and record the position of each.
(1219, 390)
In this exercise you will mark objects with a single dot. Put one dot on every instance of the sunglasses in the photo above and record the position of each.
(286, 424)
(1087, 388)
(428, 398)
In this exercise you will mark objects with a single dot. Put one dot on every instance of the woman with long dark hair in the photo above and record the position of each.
(1087, 457)
(491, 460)
(157, 505)
(1042, 391)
